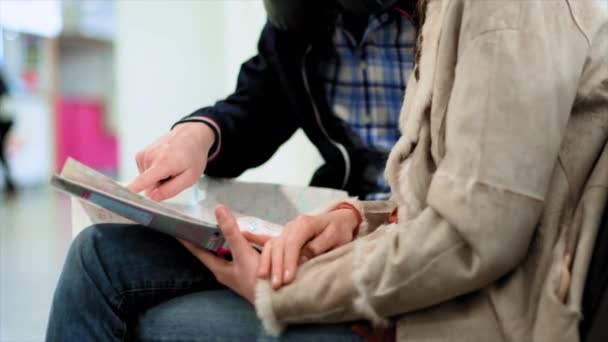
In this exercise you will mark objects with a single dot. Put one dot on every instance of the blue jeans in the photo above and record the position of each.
(126, 282)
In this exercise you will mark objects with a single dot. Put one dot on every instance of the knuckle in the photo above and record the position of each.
(180, 158)
(164, 157)
(148, 156)
(293, 240)
(161, 192)
(314, 249)
(165, 145)
(303, 219)
(279, 241)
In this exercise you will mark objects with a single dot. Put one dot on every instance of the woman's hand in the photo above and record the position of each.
(302, 239)
(240, 274)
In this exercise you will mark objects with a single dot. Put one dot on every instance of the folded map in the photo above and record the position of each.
(259, 208)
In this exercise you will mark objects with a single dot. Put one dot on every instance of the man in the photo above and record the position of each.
(335, 69)
(5, 125)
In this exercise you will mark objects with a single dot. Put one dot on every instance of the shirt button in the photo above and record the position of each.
(363, 65)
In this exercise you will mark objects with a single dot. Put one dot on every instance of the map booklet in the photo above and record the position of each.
(260, 208)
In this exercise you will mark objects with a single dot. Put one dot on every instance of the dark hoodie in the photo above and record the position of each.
(279, 91)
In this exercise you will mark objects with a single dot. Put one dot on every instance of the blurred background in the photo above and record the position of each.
(98, 81)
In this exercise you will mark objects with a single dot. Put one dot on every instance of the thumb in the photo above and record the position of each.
(230, 229)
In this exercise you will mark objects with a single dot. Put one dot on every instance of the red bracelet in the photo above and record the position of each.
(351, 207)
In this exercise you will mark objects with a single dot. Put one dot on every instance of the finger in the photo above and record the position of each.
(258, 239)
(562, 292)
(264, 266)
(147, 158)
(230, 229)
(322, 243)
(278, 252)
(295, 241)
(172, 187)
(149, 178)
(139, 160)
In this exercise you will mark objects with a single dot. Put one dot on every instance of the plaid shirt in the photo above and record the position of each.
(365, 83)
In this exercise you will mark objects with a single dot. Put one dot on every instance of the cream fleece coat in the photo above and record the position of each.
(500, 177)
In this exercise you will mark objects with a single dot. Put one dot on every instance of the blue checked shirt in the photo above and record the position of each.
(365, 83)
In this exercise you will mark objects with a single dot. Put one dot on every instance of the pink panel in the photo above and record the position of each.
(81, 134)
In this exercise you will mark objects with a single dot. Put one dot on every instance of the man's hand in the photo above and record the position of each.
(174, 162)
(302, 239)
(240, 274)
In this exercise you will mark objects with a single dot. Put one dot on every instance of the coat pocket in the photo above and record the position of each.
(556, 318)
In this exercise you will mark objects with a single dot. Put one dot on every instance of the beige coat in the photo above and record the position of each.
(500, 177)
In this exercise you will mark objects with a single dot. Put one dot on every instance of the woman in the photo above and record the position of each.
(498, 184)
(499, 181)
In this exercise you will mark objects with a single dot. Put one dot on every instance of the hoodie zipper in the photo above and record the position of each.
(336, 144)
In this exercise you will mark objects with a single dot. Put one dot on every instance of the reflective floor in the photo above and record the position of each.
(35, 233)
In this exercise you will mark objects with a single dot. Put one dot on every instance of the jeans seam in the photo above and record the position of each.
(121, 294)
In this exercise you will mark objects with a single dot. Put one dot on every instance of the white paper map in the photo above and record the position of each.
(271, 202)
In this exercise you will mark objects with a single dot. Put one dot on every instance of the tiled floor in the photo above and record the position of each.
(35, 233)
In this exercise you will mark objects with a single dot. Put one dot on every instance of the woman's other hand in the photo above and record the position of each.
(240, 274)
(302, 239)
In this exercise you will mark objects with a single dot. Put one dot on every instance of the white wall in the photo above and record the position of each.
(175, 56)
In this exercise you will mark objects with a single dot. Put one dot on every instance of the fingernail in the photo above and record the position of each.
(275, 280)
(287, 275)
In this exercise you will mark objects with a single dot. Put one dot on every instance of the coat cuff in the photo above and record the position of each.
(263, 308)
(326, 290)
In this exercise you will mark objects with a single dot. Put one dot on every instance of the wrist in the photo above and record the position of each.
(354, 216)
(201, 133)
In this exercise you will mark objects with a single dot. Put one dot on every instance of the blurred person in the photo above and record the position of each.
(337, 70)
(499, 180)
(6, 122)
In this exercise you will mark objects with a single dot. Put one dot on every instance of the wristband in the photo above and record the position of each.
(351, 207)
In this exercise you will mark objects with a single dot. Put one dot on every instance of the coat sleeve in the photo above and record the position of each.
(255, 120)
(508, 109)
